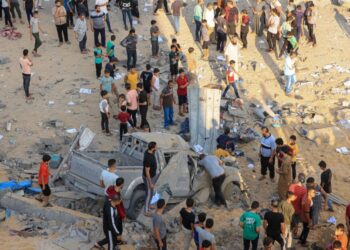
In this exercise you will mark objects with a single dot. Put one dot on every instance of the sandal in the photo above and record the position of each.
(98, 246)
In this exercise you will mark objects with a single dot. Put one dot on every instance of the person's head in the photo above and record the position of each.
(274, 12)
(58, 3)
(82, 16)
(267, 243)
(35, 14)
(285, 150)
(104, 94)
(215, 5)
(97, 8)
(148, 67)
(133, 71)
(182, 72)
(209, 223)
(127, 86)
(232, 64)
(107, 73)
(202, 156)
(229, 3)
(199, 1)
(290, 19)
(204, 22)
(223, 13)
(311, 192)
(245, 12)
(209, 6)
(121, 97)
(173, 48)
(340, 229)
(265, 131)
(152, 146)
(113, 60)
(160, 204)
(202, 217)
(255, 205)
(112, 164)
(98, 45)
(322, 165)
(113, 38)
(170, 84)
(153, 22)
(274, 204)
(337, 245)
(156, 71)
(174, 41)
(46, 158)
(299, 7)
(139, 86)
(190, 50)
(291, 196)
(119, 182)
(132, 31)
(25, 52)
(234, 39)
(206, 245)
(310, 182)
(279, 142)
(226, 130)
(293, 54)
(292, 139)
(116, 199)
(189, 202)
(312, 5)
(123, 108)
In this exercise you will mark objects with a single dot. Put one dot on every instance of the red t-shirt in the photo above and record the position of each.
(120, 208)
(245, 19)
(181, 81)
(305, 209)
(123, 117)
(43, 174)
(299, 192)
(348, 211)
(230, 75)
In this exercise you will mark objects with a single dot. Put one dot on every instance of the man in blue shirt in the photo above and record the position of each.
(267, 154)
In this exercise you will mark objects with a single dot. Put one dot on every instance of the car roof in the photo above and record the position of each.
(163, 140)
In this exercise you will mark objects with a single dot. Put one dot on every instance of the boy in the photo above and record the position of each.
(187, 218)
(295, 149)
(340, 235)
(132, 77)
(230, 79)
(174, 61)
(132, 104)
(98, 59)
(34, 32)
(143, 104)
(154, 38)
(123, 118)
(159, 226)
(244, 28)
(166, 102)
(43, 181)
(146, 77)
(104, 110)
(107, 84)
(26, 64)
(292, 45)
(110, 48)
(206, 39)
(155, 89)
(200, 223)
(191, 61)
(289, 72)
(326, 182)
(182, 83)
(250, 222)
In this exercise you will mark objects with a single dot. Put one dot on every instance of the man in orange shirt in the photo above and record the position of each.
(43, 180)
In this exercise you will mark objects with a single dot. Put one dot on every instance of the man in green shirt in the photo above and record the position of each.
(250, 222)
(287, 209)
(198, 16)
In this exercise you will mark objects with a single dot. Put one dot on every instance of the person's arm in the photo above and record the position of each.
(325, 198)
(157, 234)
(126, 78)
(265, 224)
(91, 24)
(100, 87)
(30, 32)
(114, 89)
(161, 100)
(283, 228)
(148, 176)
(102, 184)
(257, 230)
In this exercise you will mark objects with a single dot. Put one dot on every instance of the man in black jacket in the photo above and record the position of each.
(130, 43)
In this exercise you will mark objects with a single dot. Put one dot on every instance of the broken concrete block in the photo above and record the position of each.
(202, 196)
(343, 114)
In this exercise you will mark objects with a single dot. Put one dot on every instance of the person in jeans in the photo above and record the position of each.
(159, 6)
(154, 38)
(187, 218)
(326, 183)
(267, 154)
(214, 166)
(143, 105)
(205, 234)
(289, 72)
(130, 43)
(125, 6)
(6, 7)
(221, 32)
(299, 19)
(198, 15)
(176, 9)
(199, 223)
(311, 14)
(98, 25)
(98, 53)
(29, 5)
(149, 173)
(166, 102)
(35, 27)
(15, 6)
(69, 6)
(317, 200)
(250, 222)
(80, 30)
(272, 31)
(123, 118)
(26, 64)
(287, 209)
(230, 79)
(306, 215)
(104, 110)
(159, 227)
(60, 17)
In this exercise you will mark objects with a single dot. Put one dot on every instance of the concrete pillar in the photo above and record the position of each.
(204, 116)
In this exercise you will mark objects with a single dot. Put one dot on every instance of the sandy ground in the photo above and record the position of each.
(78, 71)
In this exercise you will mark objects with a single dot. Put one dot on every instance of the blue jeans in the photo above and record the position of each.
(198, 29)
(131, 59)
(127, 12)
(168, 116)
(176, 23)
(329, 202)
(234, 86)
(108, 23)
(290, 80)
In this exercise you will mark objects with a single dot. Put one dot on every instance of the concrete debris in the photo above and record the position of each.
(343, 114)
(4, 60)
(340, 91)
(55, 123)
(314, 119)
(47, 145)
(327, 135)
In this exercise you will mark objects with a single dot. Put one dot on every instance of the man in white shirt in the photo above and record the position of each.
(289, 71)
(103, 7)
(231, 52)
(209, 15)
(108, 177)
(272, 30)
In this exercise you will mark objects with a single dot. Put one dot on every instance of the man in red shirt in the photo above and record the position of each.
(230, 79)
(305, 215)
(43, 181)
(182, 83)
(299, 191)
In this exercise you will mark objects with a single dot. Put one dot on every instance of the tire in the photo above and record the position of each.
(232, 192)
(136, 204)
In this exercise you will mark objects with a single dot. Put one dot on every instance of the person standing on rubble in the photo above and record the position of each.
(43, 181)
(267, 154)
(149, 173)
(214, 166)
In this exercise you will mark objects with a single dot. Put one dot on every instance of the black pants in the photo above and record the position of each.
(221, 41)
(26, 83)
(246, 243)
(304, 233)
(231, 28)
(155, 47)
(244, 39)
(62, 32)
(123, 129)
(108, 23)
(143, 113)
(101, 32)
(312, 36)
(265, 164)
(159, 6)
(127, 13)
(98, 69)
(294, 170)
(198, 29)
(70, 17)
(29, 12)
(135, 10)
(7, 16)
(164, 244)
(104, 122)
(82, 44)
(18, 10)
(271, 40)
(219, 196)
(133, 120)
(131, 59)
(277, 238)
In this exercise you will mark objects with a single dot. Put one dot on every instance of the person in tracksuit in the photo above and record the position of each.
(110, 221)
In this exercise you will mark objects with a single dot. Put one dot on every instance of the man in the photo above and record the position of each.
(198, 16)
(60, 17)
(274, 224)
(159, 6)
(214, 167)
(166, 102)
(326, 183)
(206, 233)
(15, 6)
(125, 6)
(187, 218)
(110, 67)
(209, 15)
(250, 222)
(149, 173)
(132, 104)
(159, 227)
(143, 105)
(317, 200)
(104, 9)
(267, 154)
(286, 208)
(176, 10)
(231, 17)
(311, 15)
(289, 71)
(146, 77)
(206, 245)
(285, 173)
(108, 177)
(154, 31)
(69, 7)
(6, 5)
(43, 181)
(231, 80)
(98, 25)
(130, 43)
(306, 208)
(272, 31)
(80, 30)
(226, 142)
(259, 17)
(26, 63)
(107, 83)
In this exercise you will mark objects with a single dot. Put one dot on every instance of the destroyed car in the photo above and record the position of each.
(179, 175)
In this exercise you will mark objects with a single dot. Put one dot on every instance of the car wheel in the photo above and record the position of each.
(136, 204)
(232, 193)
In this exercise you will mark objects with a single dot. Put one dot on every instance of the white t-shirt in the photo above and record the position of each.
(103, 8)
(289, 68)
(108, 179)
(156, 83)
(5, 4)
(231, 51)
(104, 105)
(209, 15)
(275, 21)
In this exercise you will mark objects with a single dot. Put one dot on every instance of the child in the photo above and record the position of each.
(110, 48)
(155, 89)
(292, 45)
(154, 38)
(98, 59)
(201, 219)
(191, 61)
(230, 79)
(132, 77)
(182, 83)
(205, 40)
(124, 118)
(174, 61)
(35, 28)
(121, 100)
(187, 221)
(146, 77)
(43, 181)
(244, 28)
(295, 149)
(267, 243)
(104, 110)
(341, 236)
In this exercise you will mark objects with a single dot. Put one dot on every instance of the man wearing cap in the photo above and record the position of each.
(267, 154)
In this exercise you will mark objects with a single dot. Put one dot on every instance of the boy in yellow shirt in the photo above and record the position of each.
(221, 153)
(295, 149)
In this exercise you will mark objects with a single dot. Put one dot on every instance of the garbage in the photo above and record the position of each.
(71, 130)
(14, 186)
(55, 123)
(4, 60)
(328, 66)
(85, 91)
(347, 84)
(55, 161)
(1, 137)
(71, 103)
(332, 220)
(251, 166)
(8, 126)
(197, 148)
(344, 123)
(343, 150)
(221, 58)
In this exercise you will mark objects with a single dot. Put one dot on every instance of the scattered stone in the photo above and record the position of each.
(4, 60)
